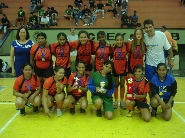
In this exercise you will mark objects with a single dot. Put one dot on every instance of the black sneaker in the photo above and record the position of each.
(154, 112)
(35, 109)
(98, 113)
(22, 112)
(72, 110)
(82, 110)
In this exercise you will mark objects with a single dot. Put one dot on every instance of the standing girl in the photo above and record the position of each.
(77, 89)
(120, 69)
(54, 91)
(140, 90)
(163, 88)
(27, 89)
(102, 85)
(41, 58)
(137, 50)
(61, 50)
(84, 47)
(102, 51)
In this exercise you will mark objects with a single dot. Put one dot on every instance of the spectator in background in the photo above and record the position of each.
(2, 5)
(45, 21)
(33, 20)
(76, 13)
(5, 22)
(92, 4)
(168, 35)
(114, 10)
(78, 3)
(69, 13)
(118, 5)
(40, 14)
(124, 6)
(39, 5)
(100, 8)
(94, 16)
(53, 14)
(182, 3)
(86, 13)
(133, 20)
(109, 3)
(33, 5)
(21, 17)
(124, 20)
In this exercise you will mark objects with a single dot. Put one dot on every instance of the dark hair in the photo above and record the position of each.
(164, 27)
(27, 33)
(131, 35)
(62, 34)
(161, 64)
(27, 64)
(52, 8)
(83, 31)
(57, 68)
(148, 21)
(137, 66)
(101, 33)
(79, 61)
(42, 34)
(20, 8)
(119, 34)
(109, 75)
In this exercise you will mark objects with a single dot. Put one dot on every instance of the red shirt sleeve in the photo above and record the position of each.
(71, 78)
(74, 44)
(17, 82)
(47, 83)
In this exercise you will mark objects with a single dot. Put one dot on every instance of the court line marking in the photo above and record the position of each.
(179, 102)
(3, 88)
(178, 115)
(8, 123)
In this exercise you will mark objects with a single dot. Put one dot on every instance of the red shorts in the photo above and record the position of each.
(20, 19)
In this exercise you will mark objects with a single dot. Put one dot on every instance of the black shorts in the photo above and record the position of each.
(166, 101)
(88, 67)
(141, 104)
(77, 97)
(117, 75)
(45, 73)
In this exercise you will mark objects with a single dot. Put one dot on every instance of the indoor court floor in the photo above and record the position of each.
(87, 125)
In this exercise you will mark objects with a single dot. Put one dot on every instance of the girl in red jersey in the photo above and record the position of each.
(137, 50)
(84, 48)
(77, 89)
(140, 90)
(61, 50)
(102, 51)
(120, 68)
(41, 58)
(26, 89)
(54, 91)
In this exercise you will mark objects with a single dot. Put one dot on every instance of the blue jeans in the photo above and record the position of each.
(93, 19)
(77, 4)
(32, 7)
(76, 19)
(89, 19)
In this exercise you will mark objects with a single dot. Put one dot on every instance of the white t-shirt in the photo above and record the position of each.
(155, 48)
(72, 38)
(45, 20)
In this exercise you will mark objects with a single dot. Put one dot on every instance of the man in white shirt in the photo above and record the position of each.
(156, 42)
(44, 20)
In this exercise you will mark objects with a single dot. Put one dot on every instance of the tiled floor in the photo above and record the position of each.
(87, 125)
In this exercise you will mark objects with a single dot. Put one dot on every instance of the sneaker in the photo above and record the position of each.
(22, 112)
(98, 113)
(91, 23)
(76, 24)
(102, 17)
(59, 112)
(52, 109)
(88, 24)
(80, 17)
(113, 17)
(82, 110)
(72, 110)
(35, 109)
(14, 25)
(154, 112)
(115, 104)
(122, 105)
(130, 113)
(85, 24)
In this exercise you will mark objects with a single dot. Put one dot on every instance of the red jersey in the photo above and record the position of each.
(50, 85)
(141, 87)
(83, 82)
(101, 55)
(39, 53)
(62, 54)
(136, 57)
(23, 86)
(84, 52)
(120, 59)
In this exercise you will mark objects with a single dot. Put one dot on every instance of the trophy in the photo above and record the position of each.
(130, 84)
(102, 84)
(76, 82)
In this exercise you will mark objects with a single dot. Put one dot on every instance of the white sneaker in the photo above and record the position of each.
(52, 109)
(76, 24)
(59, 112)
(102, 17)
(91, 23)
(85, 25)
